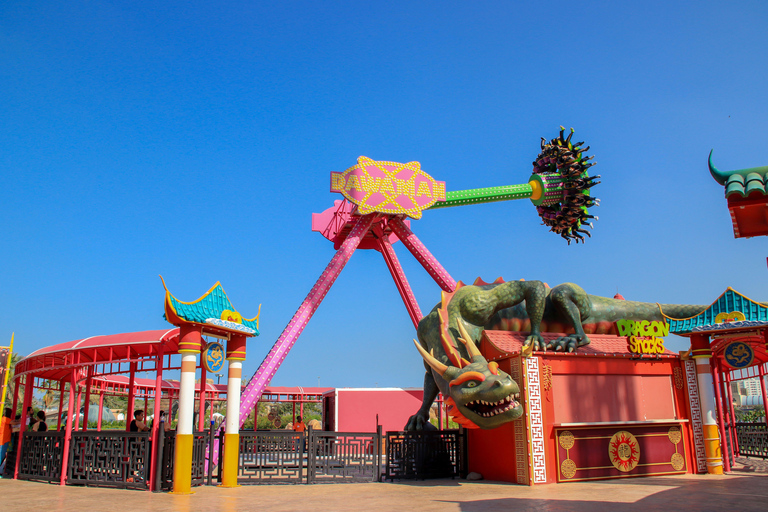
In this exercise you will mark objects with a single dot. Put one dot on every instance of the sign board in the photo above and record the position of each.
(388, 187)
(213, 357)
(643, 336)
(738, 355)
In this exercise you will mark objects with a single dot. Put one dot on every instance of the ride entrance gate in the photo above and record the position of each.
(285, 457)
(728, 342)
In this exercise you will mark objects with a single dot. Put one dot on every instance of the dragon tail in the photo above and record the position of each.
(681, 311)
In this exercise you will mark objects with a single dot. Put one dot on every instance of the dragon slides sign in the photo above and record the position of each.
(643, 336)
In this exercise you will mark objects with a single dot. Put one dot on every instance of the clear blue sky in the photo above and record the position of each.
(195, 140)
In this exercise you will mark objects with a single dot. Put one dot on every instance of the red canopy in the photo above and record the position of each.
(55, 362)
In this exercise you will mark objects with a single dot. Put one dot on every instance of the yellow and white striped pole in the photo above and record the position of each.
(190, 341)
(231, 456)
(701, 352)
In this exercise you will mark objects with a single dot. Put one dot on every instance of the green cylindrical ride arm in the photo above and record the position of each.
(485, 195)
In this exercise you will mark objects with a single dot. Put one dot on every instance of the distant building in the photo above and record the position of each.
(752, 387)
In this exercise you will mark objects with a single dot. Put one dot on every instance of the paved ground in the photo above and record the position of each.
(746, 489)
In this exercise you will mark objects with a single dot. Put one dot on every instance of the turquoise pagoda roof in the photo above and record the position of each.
(213, 308)
(721, 314)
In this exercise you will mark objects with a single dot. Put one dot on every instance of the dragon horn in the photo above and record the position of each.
(445, 338)
(434, 363)
(467, 341)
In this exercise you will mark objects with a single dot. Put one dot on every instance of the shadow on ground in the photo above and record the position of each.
(738, 493)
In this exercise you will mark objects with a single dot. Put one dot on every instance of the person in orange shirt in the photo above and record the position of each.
(5, 435)
(299, 426)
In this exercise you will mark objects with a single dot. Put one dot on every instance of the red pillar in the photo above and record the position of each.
(68, 430)
(734, 439)
(156, 417)
(16, 395)
(761, 372)
(29, 386)
(88, 384)
(720, 405)
(61, 404)
(77, 407)
(101, 410)
(131, 397)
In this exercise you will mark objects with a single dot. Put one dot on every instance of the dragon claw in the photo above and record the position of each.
(536, 341)
(418, 422)
(568, 343)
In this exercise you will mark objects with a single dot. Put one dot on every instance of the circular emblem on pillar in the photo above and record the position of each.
(566, 440)
(213, 357)
(624, 451)
(678, 461)
(674, 435)
(738, 355)
(568, 468)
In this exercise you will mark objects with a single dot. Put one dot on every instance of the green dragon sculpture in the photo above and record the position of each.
(478, 393)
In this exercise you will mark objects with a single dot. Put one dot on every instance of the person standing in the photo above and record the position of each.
(300, 427)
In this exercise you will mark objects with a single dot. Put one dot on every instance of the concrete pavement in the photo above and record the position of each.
(746, 489)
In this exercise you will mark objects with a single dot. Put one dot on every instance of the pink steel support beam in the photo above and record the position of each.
(422, 254)
(293, 330)
(393, 264)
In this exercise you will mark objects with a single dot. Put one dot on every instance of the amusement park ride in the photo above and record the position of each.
(380, 195)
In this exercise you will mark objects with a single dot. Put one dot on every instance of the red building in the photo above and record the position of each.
(362, 409)
(601, 412)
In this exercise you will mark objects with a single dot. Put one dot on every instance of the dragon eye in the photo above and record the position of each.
(471, 383)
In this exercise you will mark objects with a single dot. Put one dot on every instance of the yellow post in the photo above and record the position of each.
(190, 340)
(7, 373)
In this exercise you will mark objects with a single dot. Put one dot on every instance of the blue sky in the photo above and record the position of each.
(195, 140)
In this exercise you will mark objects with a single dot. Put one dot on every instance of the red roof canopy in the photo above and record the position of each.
(55, 362)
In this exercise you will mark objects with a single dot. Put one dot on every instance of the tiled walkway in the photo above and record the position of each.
(746, 489)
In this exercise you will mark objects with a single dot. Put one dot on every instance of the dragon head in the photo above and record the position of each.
(480, 395)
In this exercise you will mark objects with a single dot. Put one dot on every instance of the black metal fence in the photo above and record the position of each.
(41, 456)
(271, 456)
(752, 439)
(343, 457)
(425, 455)
(122, 459)
(110, 459)
(167, 443)
(284, 457)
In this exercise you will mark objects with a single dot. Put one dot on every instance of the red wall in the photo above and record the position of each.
(357, 408)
